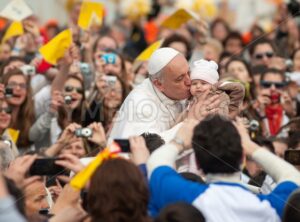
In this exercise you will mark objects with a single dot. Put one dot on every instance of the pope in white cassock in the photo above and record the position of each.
(154, 105)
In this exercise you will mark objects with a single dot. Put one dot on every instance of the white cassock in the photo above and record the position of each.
(146, 109)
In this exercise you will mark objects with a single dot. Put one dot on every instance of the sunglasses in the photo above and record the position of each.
(260, 56)
(7, 110)
(268, 84)
(71, 89)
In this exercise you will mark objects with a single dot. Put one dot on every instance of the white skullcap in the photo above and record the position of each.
(160, 58)
(205, 70)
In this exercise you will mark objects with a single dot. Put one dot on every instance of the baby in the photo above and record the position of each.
(205, 76)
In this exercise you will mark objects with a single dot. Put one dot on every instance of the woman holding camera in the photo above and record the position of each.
(19, 97)
(66, 107)
(106, 100)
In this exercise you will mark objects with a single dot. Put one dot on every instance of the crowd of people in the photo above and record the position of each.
(212, 119)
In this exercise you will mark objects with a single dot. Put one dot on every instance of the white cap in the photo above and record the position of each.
(205, 70)
(160, 58)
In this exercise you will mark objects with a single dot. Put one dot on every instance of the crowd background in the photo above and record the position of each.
(255, 43)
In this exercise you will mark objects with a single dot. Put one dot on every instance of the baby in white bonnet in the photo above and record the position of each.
(205, 76)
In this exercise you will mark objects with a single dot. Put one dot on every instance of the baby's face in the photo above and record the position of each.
(199, 86)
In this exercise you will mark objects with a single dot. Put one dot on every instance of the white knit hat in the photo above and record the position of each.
(160, 58)
(205, 70)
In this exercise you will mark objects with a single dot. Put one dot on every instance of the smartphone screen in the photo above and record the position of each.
(124, 144)
(292, 156)
(45, 167)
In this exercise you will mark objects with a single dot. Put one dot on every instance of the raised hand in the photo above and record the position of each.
(57, 101)
(139, 150)
(98, 136)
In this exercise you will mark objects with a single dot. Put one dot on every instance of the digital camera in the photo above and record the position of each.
(68, 100)
(8, 92)
(84, 132)
(253, 125)
(109, 58)
(85, 68)
(28, 70)
(110, 80)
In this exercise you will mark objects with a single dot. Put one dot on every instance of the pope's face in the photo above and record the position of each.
(176, 82)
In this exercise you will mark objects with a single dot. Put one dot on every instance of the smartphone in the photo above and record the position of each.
(46, 167)
(292, 156)
(124, 144)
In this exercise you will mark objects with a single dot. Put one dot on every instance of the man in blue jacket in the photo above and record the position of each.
(219, 148)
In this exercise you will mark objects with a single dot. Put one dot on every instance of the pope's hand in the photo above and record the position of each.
(204, 105)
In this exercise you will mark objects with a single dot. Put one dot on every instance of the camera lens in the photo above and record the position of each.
(68, 100)
(253, 125)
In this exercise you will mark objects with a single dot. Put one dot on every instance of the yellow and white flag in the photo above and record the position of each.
(56, 48)
(178, 18)
(15, 29)
(90, 13)
(145, 55)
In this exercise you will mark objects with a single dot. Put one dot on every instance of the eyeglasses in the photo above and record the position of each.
(71, 89)
(14, 85)
(268, 84)
(260, 56)
(7, 110)
(116, 91)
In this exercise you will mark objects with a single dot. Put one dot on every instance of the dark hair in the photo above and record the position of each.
(217, 145)
(224, 54)
(273, 71)
(8, 61)
(153, 141)
(178, 38)
(216, 22)
(258, 70)
(294, 140)
(262, 141)
(233, 35)
(239, 59)
(180, 212)
(118, 192)
(292, 208)
(261, 41)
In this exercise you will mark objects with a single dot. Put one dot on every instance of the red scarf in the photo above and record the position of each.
(274, 114)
